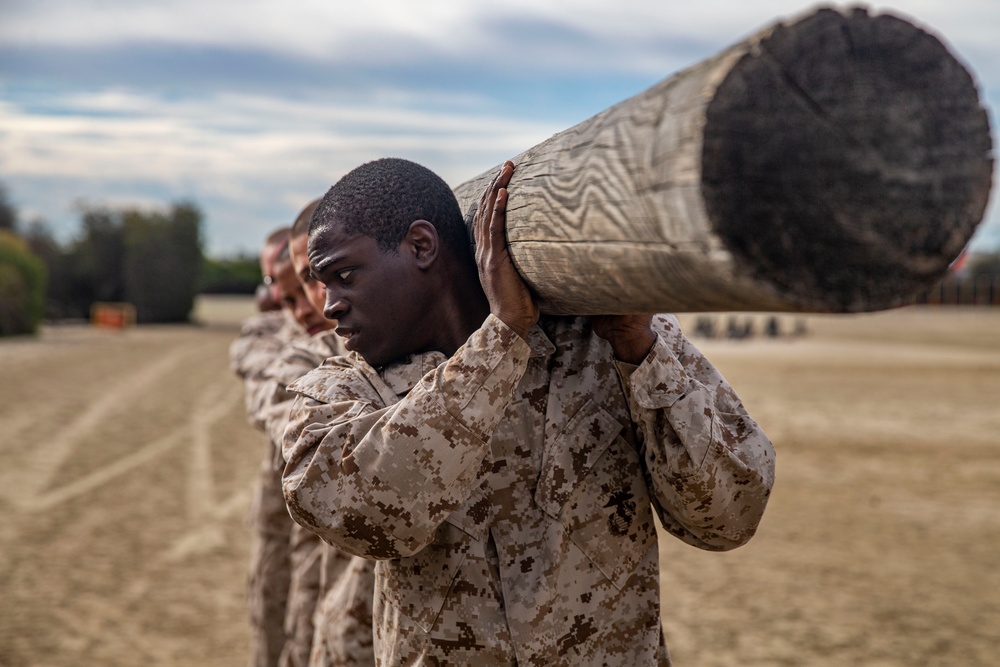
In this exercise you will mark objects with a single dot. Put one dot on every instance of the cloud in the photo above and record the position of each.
(247, 153)
(251, 107)
(618, 36)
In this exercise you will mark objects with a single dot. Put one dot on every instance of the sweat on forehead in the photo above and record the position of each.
(380, 199)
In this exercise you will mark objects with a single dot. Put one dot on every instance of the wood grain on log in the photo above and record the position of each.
(835, 163)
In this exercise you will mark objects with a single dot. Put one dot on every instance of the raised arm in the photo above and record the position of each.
(376, 478)
(709, 465)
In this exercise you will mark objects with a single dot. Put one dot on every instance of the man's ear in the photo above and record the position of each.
(423, 242)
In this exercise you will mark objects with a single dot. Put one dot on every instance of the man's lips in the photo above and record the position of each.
(347, 334)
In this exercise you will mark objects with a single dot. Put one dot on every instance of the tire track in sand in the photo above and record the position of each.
(205, 514)
(24, 486)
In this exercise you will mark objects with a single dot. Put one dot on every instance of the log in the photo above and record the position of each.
(835, 163)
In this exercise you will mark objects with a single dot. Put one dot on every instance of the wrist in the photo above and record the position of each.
(520, 323)
(633, 349)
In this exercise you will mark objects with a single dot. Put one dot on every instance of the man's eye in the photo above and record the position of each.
(345, 274)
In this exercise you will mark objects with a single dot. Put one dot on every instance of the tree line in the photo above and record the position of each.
(152, 259)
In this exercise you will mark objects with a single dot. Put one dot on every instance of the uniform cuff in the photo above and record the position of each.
(660, 380)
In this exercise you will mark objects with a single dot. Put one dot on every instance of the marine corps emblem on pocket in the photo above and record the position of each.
(620, 520)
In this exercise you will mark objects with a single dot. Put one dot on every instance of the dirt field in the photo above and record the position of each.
(128, 466)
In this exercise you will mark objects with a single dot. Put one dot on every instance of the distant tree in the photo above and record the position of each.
(70, 270)
(22, 286)
(101, 255)
(152, 259)
(44, 246)
(8, 213)
(162, 262)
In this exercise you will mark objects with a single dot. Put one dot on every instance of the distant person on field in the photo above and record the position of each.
(503, 467)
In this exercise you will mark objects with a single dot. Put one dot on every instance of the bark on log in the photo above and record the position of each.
(835, 163)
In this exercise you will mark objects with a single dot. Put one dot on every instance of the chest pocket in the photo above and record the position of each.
(592, 483)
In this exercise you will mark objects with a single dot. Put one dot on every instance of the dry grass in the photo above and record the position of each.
(128, 465)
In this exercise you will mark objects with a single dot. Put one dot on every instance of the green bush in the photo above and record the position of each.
(22, 287)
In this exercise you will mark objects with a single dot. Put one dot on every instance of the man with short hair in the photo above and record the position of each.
(503, 467)
(328, 618)
(263, 334)
(261, 339)
(296, 358)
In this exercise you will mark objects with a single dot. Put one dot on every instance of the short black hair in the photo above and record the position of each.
(380, 199)
(301, 224)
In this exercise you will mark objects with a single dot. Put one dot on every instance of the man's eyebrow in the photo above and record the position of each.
(338, 256)
(324, 264)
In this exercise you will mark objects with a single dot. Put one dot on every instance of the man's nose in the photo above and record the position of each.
(335, 306)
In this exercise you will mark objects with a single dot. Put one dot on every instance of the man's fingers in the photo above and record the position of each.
(497, 219)
(500, 205)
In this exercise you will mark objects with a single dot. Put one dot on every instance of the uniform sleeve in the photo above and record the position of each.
(709, 465)
(262, 340)
(272, 399)
(378, 480)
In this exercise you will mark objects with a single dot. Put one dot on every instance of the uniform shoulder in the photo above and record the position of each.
(297, 357)
(336, 379)
(263, 324)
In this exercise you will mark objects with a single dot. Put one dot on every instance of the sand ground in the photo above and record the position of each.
(128, 466)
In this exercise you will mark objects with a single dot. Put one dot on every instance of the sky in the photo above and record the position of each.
(251, 108)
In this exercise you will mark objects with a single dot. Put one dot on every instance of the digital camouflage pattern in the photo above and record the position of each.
(344, 636)
(261, 339)
(348, 643)
(507, 492)
(305, 558)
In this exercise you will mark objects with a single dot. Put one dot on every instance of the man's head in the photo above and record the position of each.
(389, 243)
(293, 297)
(275, 242)
(315, 290)
(380, 199)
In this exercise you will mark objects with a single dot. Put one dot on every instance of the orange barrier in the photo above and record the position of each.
(108, 315)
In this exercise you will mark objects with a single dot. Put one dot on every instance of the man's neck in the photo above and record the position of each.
(461, 311)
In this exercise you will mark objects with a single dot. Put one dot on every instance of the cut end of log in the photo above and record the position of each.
(846, 161)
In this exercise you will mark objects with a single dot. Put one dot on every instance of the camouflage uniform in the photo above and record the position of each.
(307, 554)
(343, 617)
(508, 491)
(261, 339)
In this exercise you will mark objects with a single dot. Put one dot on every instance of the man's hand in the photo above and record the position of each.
(631, 336)
(509, 297)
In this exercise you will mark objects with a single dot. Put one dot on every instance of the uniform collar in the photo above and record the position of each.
(402, 377)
